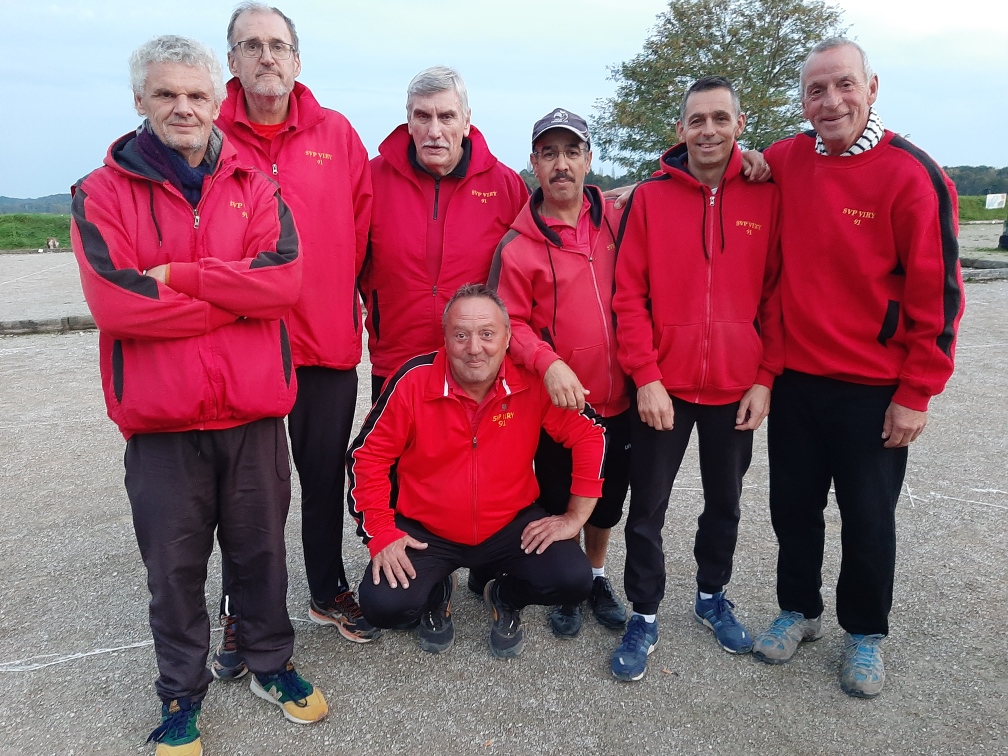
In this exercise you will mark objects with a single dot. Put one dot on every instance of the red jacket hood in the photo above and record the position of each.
(395, 149)
(529, 223)
(673, 163)
(123, 157)
(305, 110)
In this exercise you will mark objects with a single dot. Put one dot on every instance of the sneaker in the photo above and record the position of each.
(716, 613)
(566, 620)
(227, 663)
(605, 604)
(780, 641)
(344, 612)
(629, 660)
(177, 734)
(863, 672)
(436, 631)
(301, 702)
(507, 639)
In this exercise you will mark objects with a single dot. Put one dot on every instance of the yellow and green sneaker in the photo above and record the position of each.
(178, 735)
(300, 701)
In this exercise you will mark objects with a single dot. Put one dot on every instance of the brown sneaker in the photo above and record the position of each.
(344, 612)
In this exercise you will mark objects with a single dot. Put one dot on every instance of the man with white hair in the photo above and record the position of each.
(871, 293)
(317, 158)
(189, 261)
(442, 202)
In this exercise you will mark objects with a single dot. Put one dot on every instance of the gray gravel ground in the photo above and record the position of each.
(77, 667)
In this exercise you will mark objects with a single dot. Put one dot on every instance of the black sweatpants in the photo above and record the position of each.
(554, 468)
(725, 454)
(560, 575)
(824, 430)
(183, 486)
(319, 425)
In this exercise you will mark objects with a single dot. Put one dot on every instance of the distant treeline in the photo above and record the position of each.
(971, 180)
(58, 204)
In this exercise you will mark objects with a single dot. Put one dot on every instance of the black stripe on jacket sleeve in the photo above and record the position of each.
(951, 295)
(287, 244)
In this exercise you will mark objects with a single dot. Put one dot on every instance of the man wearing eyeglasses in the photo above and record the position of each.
(554, 270)
(442, 203)
(699, 329)
(315, 155)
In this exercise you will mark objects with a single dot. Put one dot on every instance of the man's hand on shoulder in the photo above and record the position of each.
(755, 168)
(655, 406)
(753, 408)
(620, 193)
(564, 387)
(392, 560)
(902, 425)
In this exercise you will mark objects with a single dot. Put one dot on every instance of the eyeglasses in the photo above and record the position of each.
(253, 48)
(549, 154)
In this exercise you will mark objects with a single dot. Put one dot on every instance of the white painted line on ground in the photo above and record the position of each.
(37, 272)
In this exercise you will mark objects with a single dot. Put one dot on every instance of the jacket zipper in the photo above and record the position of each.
(705, 350)
(437, 193)
(474, 467)
(605, 327)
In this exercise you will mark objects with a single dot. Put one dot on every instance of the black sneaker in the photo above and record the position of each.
(605, 604)
(507, 639)
(436, 631)
(227, 663)
(566, 620)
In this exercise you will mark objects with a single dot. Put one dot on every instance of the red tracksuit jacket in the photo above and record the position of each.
(697, 301)
(404, 303)
(210, 351)
(559, 297)
(461, 483)
(323, 172)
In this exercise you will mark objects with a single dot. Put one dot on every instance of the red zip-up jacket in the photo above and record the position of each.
(461, 483)
(404, 303)
(697, 301)
(210, 351)
(322, 168)
(559, 298)
(872, 290)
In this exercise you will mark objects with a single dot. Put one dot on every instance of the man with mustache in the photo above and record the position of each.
(554, 270)
(872, 296)
(462, 425)
(189, 261)
(442, 202)
(315, 155)
(699, 330)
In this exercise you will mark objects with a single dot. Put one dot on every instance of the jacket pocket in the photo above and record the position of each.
(679, 349)
(375, 315)
(117, 370)
(734, 355)
(890, 322)
(285, 353)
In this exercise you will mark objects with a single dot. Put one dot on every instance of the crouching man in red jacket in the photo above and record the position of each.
(189, 259)
(463, 424)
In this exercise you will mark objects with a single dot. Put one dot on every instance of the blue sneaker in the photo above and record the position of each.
(629, 660)
(716, 613)
(863, 672)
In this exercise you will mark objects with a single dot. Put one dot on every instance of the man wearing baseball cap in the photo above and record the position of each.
(554, 270)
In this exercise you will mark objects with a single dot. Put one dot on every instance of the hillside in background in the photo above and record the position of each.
(54, 203)
(978, 179)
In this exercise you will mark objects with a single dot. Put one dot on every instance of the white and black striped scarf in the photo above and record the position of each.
(869, 138)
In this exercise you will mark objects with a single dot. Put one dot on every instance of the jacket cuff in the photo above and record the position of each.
(590, 488)
(185, 278)
(912, 398)
(646, 374)
(217, 317)
(383, 539)
(764, 378)
(543, 359)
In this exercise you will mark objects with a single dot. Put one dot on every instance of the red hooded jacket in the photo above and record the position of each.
(209, 351)
(322, 168)
(559, 297)
(460, 483)
(697, 302)
(404, 303)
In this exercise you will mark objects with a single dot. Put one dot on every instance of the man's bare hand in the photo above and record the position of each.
(620, 193)
(392, 560)
(539, 534)
(655, 406)
(755, 169)
(564, 387)
(902, 425)
(755, 406)
(159, 273)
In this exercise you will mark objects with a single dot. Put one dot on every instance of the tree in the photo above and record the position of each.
(759, 45)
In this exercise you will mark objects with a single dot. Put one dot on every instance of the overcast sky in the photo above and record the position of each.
(943, 69)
